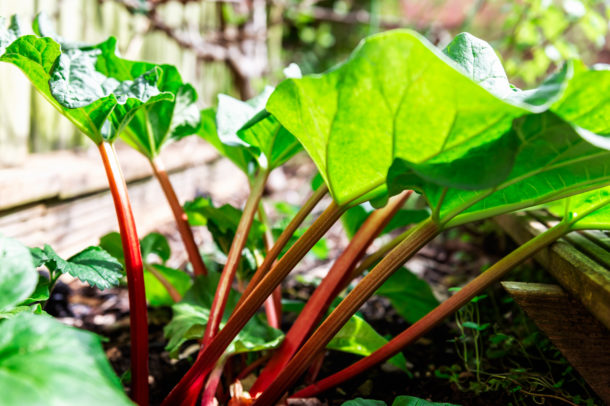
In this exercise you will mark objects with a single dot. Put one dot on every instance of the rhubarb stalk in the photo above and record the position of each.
(138, 320)
(234, 257)
(433, 318)
(184, 229)
(188, 389)
(421, 235)
(331, 285)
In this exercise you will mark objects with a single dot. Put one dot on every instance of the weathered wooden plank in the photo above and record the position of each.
(65, 174)
(580, 274)
(582, 339)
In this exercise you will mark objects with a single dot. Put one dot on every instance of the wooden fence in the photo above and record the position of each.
(29, 124)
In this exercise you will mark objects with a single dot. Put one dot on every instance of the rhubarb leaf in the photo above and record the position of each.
(95, 89)
(44, 362)
(157, 124)
(236, 153)
(409, 295)
(586, 211)
(554, 162)
(192, 313)
(93, 265)
(397, 96)
(360, 338)
(18, 276)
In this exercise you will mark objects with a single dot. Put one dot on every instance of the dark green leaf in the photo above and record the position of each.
(43, 362)
(222, 222)
(92, 265)
(410, 296)
(18, 276)
(113, 245)
(359, 337)
(191, 316)
(41, 293)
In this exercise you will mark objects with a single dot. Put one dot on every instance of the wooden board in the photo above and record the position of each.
(579, 262)
(581, 338)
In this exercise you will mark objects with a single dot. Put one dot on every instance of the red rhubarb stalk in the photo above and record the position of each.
(180, 216)
(138, 320)
(421, 235)
(234, 257)
(273, 304)
(185, 393)
(331, 285)
(445, 309)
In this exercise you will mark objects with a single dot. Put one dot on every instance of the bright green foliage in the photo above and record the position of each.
(93, 265)
(45, 362)
(9, 314)
(586, 211)
(359, 337)
(157, 124)
(18, 276)
(248, 135)
(354, 120)
(95, 89)
(410, 296)
(191, 315)
(553, 162)
(156, 293)
(154, 247)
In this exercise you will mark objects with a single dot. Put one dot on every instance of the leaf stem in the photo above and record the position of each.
(451, 305)
(187, 390)
(422, 234)
(138, 320)
(283, 239)
(273, 304)
(234, 256)
(184, 229)
(332, 284)
(377, 255)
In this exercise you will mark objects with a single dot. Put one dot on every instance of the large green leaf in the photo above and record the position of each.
(192, 313)
(93, 265)
(479, 61)
(43, 362)
(410, 296)
(359, 337)
(586, 211)
(553, 162)
(94, 88)
(397, 96)
(18, 276)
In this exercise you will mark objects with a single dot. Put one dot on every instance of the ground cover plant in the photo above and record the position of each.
(399, 120)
